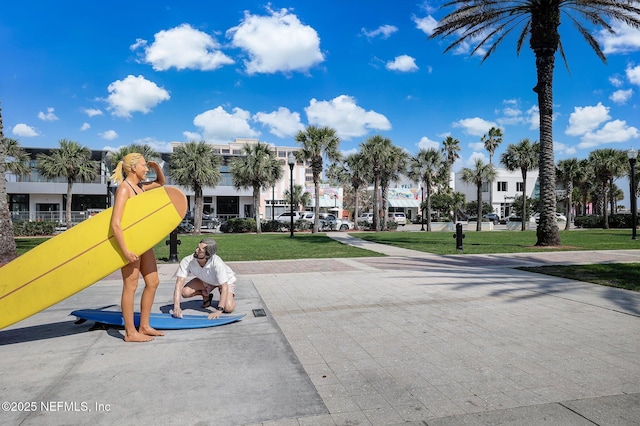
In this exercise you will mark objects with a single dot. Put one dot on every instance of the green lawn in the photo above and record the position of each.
(248, 247)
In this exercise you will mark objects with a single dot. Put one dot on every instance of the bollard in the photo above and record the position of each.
(459, 236)
(173, 242)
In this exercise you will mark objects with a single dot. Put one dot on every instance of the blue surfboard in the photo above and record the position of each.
(159, 321)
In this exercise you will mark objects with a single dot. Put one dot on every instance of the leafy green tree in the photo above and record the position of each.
(300, 197)
(375, 151)
(195, 165)
(477, 176)
(489, 22)
(523, 156)
(491, 141)
(317, 142)
(351, 171)
(12, 159)
(258, 169)
(393, 166)
(71, 161)
(606, 165)
(568, 171)
(113, 157)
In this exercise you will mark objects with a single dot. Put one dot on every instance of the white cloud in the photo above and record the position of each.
(22, 129)
(621, 96)
(183, 47)
(134, 94)
(474, 126)
(383, 31)
(192, 136)
(633, 74)
(426, 24)
(92, 112)
(48, 116)
(586, 119)
(426, 143)
(85, 126)
(533, 117)
(626, 39)
(343, 114)
(220, 126)
(616, 81)
(276, 43)
(615, 131)
(158, 146)
(108, 135)
(282, 123)
(402, 63)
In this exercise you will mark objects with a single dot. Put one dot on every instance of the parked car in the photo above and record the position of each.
(492, 217)
(398, 217)
(332, 223)
(559, 217)
(185, 227)
(366, 217)
(286, 217)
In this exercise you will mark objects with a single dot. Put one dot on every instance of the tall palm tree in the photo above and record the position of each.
(12, 159)
(523, 156)
(568, 171)
(194, 165)
(491, 141)
(425, 167)
(317, 142)
(375, 151)
(450, 148)
(71, 161)
(258, 169)
(605, 163)
(350, 171)
(477, 176)
(300, 197)
(394, 165)
(585, 184)
(113, 157)
(490, 21)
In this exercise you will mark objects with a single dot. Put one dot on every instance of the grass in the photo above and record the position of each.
(248, 247)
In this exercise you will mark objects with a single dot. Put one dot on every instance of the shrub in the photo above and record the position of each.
(597, 221)
(271, 226)
(27, 228)
(239, 225)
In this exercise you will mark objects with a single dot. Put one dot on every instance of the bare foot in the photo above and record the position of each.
(150, 331)
(137, 337)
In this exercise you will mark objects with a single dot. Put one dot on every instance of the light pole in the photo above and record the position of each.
(291, 160)
(633, 154)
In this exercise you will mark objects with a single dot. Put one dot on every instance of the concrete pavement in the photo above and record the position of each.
(411, 338)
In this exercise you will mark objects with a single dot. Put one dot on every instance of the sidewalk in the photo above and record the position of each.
(412, 338)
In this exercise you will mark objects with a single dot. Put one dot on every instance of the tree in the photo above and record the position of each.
(425, 167)
(606, 164)
(568, 171)
(12, 159)
(450, 149)
(523, 156)
(300, 197)
(71, 161)
(491, 141)
(195, 165)
(317, 142)
(393, 166)
(477, 176)
(113, 157)
(490, 21)
(351, 171)
(258, 169)
(375, 151)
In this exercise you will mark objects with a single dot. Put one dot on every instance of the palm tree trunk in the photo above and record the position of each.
(376, 207)
(479, 209)
(256, 207)
(68, 206)
(7, 241)
(547, 232)
(524, 200)
(316, 217)
(569, 199)
(355, 208)
(428, 202)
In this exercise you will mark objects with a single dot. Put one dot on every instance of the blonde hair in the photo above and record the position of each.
(124, 166)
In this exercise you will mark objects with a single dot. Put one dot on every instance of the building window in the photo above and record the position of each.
(519, 186)
(502, 186)
(485, 186)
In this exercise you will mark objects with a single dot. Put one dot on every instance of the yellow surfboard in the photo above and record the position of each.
(85, 253)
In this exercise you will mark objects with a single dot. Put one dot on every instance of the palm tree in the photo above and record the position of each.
(605, 163)
(258, 169)
(351, 171)
(491, 141)
(300, 197)
(425, 167)
(71, 161)
(393, 166)
(194, 165)
(477, 176)
(15, 160)
(523, 156)
(450, 148)
(113, 157)
(492, 20)
(375, 151)
(568, 172)
(317, 142)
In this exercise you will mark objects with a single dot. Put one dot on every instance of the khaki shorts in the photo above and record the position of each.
(231, 283)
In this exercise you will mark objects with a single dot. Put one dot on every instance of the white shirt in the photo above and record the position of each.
(214, 272)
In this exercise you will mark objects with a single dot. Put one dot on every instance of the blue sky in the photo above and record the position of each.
(108, 74)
